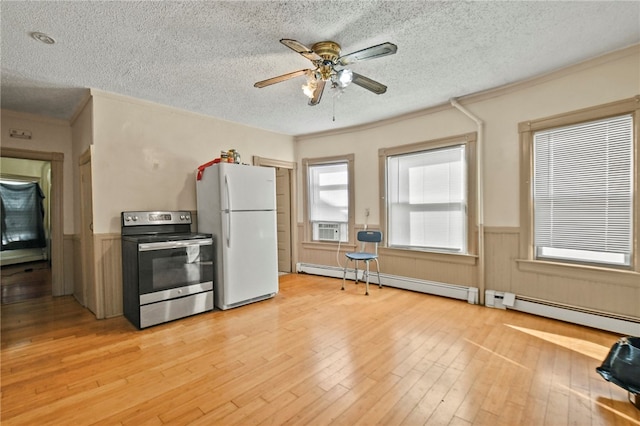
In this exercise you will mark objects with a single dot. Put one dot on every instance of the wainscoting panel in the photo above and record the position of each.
(108, 267)
(501, 251)
(69, 263)
(596, 290)
(450, 269)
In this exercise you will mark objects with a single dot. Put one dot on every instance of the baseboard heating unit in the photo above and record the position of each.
(589, 318)
(470, 294)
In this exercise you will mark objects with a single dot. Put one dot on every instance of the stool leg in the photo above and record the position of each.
(367, 284)
(356, 272)
(378, 269)
(344, 274)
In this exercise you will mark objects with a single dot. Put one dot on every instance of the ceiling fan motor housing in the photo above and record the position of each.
(329, 51)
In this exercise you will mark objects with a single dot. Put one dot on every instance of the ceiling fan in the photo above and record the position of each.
(325, 55)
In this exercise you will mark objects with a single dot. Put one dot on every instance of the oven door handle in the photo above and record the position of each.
(164, 245)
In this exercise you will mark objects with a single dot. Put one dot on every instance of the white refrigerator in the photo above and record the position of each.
(237, 204)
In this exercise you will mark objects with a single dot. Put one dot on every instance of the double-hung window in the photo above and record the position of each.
(582, 191)
(427, 195)
(583, 175)
(329, 198)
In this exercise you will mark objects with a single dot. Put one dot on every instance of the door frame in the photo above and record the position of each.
(57, 224)
(90, 296)
(292, 167)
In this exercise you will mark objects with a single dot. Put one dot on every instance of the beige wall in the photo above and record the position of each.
(365, 144)
(609, 78)
(585, 85)
(145, 155)
(589, 85)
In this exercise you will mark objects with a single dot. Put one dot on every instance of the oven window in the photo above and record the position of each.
(176, 267)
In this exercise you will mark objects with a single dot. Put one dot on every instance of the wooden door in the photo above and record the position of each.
(283, 204)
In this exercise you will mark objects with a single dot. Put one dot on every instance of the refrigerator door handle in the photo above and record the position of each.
(228, 210)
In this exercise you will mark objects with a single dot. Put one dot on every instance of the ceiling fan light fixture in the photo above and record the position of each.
(310, 87)
(325, 56)
(344, 77)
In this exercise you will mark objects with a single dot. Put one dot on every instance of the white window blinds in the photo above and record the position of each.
(427, 199)
(583, 190)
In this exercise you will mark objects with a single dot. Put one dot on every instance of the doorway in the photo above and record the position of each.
(54, 275)
(25, 186)
(285, 205)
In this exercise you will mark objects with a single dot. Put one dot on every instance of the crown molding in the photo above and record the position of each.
(485, 94)
(33, 117)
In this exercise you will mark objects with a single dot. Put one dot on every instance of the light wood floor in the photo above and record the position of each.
(313, 355)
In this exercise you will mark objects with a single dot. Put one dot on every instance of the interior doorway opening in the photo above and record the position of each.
(44, 273)
(25, 187)
(286, 211)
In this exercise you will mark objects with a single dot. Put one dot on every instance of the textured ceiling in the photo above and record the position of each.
(205, 56)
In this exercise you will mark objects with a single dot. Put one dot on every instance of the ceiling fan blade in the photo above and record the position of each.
(317, 94)
(301, 49)
(367, 83)
(280, 78)
(372, 52)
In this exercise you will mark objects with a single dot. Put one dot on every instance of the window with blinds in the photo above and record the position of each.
(328, 207)
(582, 192)
(427, 200)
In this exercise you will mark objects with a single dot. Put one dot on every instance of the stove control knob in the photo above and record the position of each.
(182, 217)
(135, 218)
(127, 218)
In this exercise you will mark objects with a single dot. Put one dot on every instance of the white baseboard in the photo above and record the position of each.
(470, 294)
(575, 315)
(493, 299)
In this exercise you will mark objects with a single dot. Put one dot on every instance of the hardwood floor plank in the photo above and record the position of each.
(405, 406)
(334, 411)
(384, 405)
(271, 410)
(299, 404)
(311, 412)
(311, 355)
(369, 400)
(433, 398)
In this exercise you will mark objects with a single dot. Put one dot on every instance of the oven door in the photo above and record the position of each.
(172, 264)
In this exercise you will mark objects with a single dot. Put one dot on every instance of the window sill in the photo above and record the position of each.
(461, 259)
(581, 272)
(331, 246)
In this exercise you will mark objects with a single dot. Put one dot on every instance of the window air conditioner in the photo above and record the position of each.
(329, 231)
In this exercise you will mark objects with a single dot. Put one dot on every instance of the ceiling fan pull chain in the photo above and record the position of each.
(334, 108)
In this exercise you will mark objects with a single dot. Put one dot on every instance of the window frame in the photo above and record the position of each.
(467, 139)
(308, 228)
(528, 260)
